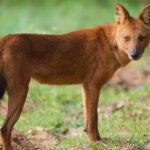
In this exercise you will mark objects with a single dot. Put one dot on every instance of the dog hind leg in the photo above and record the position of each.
(15, 105)
(17, 75)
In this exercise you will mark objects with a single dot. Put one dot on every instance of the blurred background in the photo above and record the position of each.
(58, 16)
(53, 116)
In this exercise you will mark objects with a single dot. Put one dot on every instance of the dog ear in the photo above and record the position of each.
(145, 15)
(121, 14)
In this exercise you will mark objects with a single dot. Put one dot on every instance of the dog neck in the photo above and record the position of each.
(120, 56)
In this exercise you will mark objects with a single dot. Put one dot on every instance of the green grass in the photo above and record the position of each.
(52, 107)
(60, 108)
(57, 17)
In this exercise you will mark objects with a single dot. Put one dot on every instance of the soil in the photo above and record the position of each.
(20, 142)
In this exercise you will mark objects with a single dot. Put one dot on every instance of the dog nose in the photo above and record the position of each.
(135, 54)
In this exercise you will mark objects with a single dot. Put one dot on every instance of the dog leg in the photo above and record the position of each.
(17, 91)
(91, 96)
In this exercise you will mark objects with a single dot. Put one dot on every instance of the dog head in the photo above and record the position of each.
(132, 34)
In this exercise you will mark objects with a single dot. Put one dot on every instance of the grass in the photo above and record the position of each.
(57, 17)
(127, 126)
(60, 108)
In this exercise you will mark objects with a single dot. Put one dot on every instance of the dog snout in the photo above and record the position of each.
(135, 54)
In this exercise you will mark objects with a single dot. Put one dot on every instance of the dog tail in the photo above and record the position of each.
(2, 82)
(2, 86)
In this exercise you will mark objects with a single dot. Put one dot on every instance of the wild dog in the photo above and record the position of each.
(87, 57)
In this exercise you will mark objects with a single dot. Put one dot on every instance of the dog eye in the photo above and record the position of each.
(126, 38)
(141, 38)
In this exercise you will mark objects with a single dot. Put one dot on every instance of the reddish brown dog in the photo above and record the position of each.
(88, 57)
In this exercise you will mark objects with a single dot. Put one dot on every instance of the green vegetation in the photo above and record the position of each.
(40, 16)
(59, 109)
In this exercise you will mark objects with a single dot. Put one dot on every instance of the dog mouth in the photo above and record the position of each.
(135, 58)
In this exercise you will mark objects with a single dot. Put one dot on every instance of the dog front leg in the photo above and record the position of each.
(91, 96)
